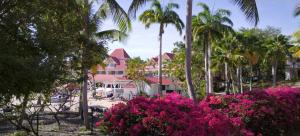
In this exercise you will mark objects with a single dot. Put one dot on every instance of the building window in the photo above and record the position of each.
(101, 72)
(111, 65)
(111, 72)
(163, 87)
(120, 72)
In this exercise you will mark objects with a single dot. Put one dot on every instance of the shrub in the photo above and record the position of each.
(272, 111)
(171, 115)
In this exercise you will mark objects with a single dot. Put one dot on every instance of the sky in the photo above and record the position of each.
(144, 43)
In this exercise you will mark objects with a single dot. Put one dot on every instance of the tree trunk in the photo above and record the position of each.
(238, 78)
(226, 79)
(206, 65)
(161, 31)
(232, 81)
(251, 75)
(85, 69)
(209, 51)
(80, 102)
(94, 84)
(274, 72)
(188, 51)
(210, 78)
(84, 98)
(241, 80)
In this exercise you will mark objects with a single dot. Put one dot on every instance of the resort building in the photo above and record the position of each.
(152, 67)
(111, 78)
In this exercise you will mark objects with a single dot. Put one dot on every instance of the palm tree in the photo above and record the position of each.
(92, 40)
(277, 48)
(210, 26)
(225, 52)
(162, 16)
(188, 51)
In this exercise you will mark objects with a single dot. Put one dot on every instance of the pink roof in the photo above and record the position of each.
(120, 54)
(119, 57)
(155, 80)
(107, 78)
(170, 55)
(165, 56)
(130, 85)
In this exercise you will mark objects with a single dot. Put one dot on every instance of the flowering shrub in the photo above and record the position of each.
(273, 111)
(172, 115)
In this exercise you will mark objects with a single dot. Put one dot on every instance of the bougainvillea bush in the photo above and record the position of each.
(272, 111)
(172, 115)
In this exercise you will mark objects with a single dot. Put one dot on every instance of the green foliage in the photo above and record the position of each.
(162, 15)
(176, 67)
(19, 133)
(136, 69)
(35, 39)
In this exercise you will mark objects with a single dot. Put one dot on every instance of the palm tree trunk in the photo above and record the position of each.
(251, 75)
(274, 72)
(84, 98)
(80, 102)
(241, 80)
(206, 65)
(85, 71)
(210, 78)
(188, 51)
(226, 78)
(161, 31)
(238, 78)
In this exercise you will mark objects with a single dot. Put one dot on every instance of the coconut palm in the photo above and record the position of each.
(92, 40)
(277, 48)
(225, 52)
(163, 16)
(210, 26)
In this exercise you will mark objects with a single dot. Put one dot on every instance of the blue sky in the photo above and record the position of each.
(144, 42)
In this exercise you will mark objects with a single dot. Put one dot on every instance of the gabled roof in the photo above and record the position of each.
(120, 53)
(169, 55)
(165, 56)
(155, 80)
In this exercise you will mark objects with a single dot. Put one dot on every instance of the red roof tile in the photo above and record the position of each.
(120, 54)
(155, 80)
(107, 78)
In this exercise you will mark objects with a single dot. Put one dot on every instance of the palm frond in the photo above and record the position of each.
(171, 17)
(148, 17)
(113, 35)
(135, 6)
(120, 17)
(223, 12)
(249, 8)
(204, 7)
(157, 6)
(171, 6)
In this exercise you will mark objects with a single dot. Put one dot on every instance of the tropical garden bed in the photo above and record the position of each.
(271, 111)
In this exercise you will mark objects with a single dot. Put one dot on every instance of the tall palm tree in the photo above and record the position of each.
(162, 16)
(277, 48)
(210, 26)
(225, 52)
(92, 40)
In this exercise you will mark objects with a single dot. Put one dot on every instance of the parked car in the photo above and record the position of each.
(59, 98)
(6, 109)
